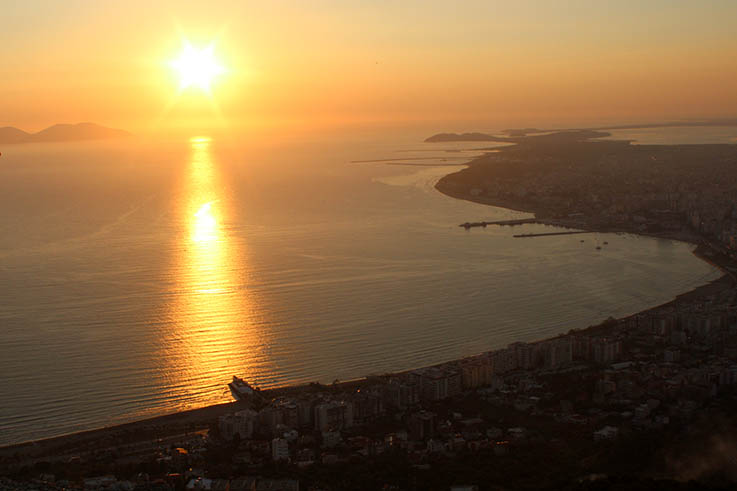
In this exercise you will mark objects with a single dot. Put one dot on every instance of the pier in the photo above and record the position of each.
(573, 232)
(511, 223)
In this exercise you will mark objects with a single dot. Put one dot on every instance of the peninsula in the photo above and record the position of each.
(516, 135)
(571, 179)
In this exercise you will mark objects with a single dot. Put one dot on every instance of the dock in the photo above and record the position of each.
(511, 223)
(553, 233)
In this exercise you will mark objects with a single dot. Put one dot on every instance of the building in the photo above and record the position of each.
(421, 426)
(557, 352)
(503, 361)
(523, 354)
(605, 351)
(282, 484)
(437, 384)
(334, 415)
(366, 407)
(331, 439)
(606, 433)
(475, 372)
(279, 449)
(672, 355)
(242, 423)
(401, 393)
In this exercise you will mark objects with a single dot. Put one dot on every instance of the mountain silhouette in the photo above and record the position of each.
(61, 133)
(9, 134)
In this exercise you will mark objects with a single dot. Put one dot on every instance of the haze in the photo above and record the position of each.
(334, 63)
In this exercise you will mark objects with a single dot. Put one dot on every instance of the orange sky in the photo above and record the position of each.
(487, 63)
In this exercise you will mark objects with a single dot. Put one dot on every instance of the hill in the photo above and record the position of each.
(8, 134)
(61, 133)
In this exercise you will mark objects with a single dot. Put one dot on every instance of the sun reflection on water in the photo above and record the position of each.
(205, 224)
(216, 330)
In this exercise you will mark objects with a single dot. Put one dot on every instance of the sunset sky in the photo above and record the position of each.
(316, 63)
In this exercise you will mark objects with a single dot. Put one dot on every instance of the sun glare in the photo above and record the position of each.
(197, 67)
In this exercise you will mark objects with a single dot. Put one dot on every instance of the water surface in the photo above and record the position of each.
(136, 279)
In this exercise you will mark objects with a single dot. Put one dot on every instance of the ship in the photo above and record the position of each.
(241, 389)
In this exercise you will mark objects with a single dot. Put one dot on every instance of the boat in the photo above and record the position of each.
(605, 242)
(598, 248)
(241, 389)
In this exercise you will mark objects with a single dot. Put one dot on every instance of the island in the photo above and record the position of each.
(61, 133)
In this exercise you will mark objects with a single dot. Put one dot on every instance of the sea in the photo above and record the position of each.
(137, 277)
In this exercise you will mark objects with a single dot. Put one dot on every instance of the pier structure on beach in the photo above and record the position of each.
(511, 223)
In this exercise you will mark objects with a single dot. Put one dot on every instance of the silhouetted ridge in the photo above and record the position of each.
(9, 134)
(61, 133)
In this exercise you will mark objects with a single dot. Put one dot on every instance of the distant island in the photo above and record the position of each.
(61, 133)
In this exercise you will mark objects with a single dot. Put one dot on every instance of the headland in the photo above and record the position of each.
(569, 179)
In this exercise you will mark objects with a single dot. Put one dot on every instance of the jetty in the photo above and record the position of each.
(511, 223)
(572, 232)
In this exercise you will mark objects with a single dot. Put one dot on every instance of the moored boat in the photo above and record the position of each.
(241, 389)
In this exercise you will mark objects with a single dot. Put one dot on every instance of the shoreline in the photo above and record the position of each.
(702, 251)
(191, 421)
(516, 205)
(196, 419)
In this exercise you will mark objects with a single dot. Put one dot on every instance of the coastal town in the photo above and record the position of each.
(578, 180)
(639, 396)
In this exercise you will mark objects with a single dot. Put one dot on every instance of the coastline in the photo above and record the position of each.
(521, 206)
(192, 421)
(198, 419)
(702, 250)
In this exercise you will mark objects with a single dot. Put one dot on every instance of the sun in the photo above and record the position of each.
(197, 67)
